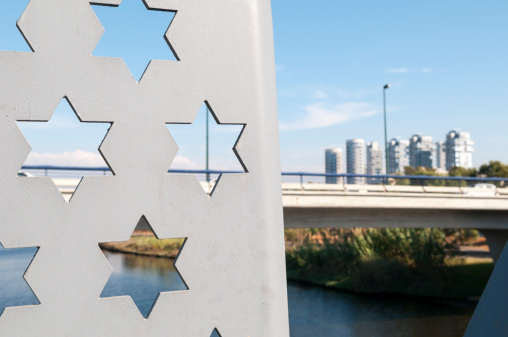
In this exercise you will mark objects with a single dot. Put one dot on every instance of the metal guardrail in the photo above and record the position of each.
(297, 177)
(386, 179)
(78, 171)
(106, 169)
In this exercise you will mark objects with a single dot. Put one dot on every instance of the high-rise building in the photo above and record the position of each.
(374, 162)
(355, 153)
(441, 155)
(459, 149)
(398, 155)
(420, 151)
(333, 164)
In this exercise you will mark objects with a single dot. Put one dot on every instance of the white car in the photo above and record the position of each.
(482, 189)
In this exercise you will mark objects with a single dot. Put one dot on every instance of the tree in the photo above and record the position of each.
(462, 172)
(423, 171)
(494, 169)
(420, 171)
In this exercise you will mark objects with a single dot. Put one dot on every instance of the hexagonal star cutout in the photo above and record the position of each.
(215, 333)
(64, 141)
(143, 267)
(14, 289)
(135, 32)
(192, 156)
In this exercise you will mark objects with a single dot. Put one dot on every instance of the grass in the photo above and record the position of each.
(392, 277)
(473, 276)
(386, 261)
(147, 246)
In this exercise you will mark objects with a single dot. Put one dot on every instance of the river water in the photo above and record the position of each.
(312, 311)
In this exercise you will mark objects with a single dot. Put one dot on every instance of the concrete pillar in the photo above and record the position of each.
(496, 239)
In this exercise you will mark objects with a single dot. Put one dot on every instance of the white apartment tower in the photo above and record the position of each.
(459, 149)
(333, 164)
(355, 153)
(441, 155)
(374, 162)
(398, 155)
(420, 151)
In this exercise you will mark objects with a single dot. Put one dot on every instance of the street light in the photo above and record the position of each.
(386, 137)
(207, 150)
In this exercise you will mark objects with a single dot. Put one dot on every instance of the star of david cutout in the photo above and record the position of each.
(215, 333)
(14, 288)
(136, 33)
(44, 130)
(230, 163)
(130, 271)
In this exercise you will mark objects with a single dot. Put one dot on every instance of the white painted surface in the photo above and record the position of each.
(233, 260)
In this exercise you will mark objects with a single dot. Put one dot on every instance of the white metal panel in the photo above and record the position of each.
(233, 260)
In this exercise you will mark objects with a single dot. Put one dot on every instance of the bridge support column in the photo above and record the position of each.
(496, 239)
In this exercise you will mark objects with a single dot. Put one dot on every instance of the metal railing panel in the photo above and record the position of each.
(225, 55)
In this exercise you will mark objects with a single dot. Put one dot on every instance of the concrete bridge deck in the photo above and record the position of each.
(320, 205)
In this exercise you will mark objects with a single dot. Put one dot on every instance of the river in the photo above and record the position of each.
(312, 311)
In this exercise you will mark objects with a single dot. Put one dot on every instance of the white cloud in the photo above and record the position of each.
(183, 163)
(80, 158)
(319, 115)
(319, 94)
(75, 158)
(427, 70)
(398, 70)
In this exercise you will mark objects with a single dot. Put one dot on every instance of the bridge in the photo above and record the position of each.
(394, 206)
(320, 205)
(391, 202)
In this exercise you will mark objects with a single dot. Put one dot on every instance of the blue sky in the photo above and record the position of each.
(446, 62)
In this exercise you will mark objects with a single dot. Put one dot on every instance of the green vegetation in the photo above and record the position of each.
(492, 169)
(403, 261)
(423, 171)
(463, 172)
(147, 245)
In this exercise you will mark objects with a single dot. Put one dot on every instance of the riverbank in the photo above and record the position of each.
(462, 281)
(354, 266)
(415, 262)
(146, 245)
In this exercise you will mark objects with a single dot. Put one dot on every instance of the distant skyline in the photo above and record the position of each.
(431, 148)
(445, 61)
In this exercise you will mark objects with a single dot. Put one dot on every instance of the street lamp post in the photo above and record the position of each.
(386, 136)
(207, 150)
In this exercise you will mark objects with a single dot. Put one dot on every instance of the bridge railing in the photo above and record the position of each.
(72, 172)
(401, 180)
(301, 178)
